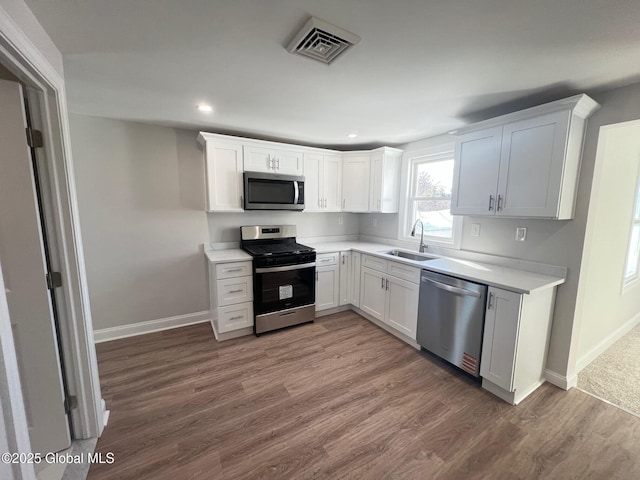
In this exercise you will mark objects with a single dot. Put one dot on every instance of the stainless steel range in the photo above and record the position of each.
(284, 271)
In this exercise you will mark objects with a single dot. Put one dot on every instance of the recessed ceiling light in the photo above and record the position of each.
(352, 135)
(203, 107)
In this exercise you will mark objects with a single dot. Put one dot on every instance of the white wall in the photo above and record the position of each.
(141, 196)
(606, 309)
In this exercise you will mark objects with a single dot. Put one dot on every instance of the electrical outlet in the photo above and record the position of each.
(521, 234)
(340, 220)
(475, 229)
(375, 222)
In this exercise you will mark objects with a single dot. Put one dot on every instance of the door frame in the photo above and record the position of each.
(46, 91)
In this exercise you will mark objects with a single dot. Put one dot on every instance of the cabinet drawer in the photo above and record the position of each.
(405, 272)
(234, 317)
(235, 269)
(235, 290)
(326, 259)
(375, 263)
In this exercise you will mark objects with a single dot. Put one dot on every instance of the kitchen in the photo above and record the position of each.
(146, 182)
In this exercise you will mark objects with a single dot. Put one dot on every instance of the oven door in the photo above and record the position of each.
(283, 287)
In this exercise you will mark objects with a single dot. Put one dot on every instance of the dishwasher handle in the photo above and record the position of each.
(449, 288)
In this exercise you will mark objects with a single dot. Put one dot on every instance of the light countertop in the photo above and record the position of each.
(519, 281)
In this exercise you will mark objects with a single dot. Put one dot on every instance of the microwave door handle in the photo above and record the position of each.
(296, 192)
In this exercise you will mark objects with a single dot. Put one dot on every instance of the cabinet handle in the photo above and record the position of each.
(235, 318)
(490, 202)
(499, 206)
(235, 291)
(490, 302)
(378, 204)
(269, 162)
(343, 258)
(316, 275)
(234, 270)
(344, 203)
(382, 285)
(325, 203)
(387, 281)
(278, 163)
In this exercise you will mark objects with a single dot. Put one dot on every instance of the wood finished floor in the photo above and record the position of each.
(339, 398)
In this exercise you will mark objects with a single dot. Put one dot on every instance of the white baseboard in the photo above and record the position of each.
(561, 381)
(140, 328)
(606, 342)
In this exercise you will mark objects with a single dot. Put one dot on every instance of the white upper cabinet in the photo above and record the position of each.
(524, 164)
(355, 176)
(272, 159)
(223, 172)
(384, 183)
(323, 182)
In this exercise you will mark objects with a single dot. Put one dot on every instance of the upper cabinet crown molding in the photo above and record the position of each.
(372, 184)
(580, 105)
(524, 164)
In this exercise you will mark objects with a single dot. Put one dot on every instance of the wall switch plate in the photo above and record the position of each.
(340, 220)
(475, 229)
(521, 234)
(375, 222)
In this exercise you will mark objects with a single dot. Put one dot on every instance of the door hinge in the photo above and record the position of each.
(34, 138)
(54, 280)
(70, 403)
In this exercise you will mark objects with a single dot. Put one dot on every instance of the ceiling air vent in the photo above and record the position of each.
(321, 41)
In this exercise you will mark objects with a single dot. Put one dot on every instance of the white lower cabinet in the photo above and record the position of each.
(327, 281)
(514, 348)
(390, 299)
(345, 278)
(354, 278)
(231, 297)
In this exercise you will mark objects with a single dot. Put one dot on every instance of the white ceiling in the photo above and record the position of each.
(420, 69)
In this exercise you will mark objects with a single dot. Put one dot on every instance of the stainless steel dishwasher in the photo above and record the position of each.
(451, 319)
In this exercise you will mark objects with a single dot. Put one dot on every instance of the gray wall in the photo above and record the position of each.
(141, 196)
(225, 227)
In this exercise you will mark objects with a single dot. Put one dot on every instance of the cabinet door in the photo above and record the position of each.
(259, 159)
(372, 293)
(332, 183)
(355, 278)
(402, 306)
(327, 287)
(345, 278)
(531, 166)
(224, 176)
(475, 172)
(312, 184)
(500, 340)
(355, 183)
(376, 182)
(288, 162)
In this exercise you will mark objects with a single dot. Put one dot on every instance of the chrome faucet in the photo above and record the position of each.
(422, 247)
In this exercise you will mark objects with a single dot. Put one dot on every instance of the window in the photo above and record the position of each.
(633, 251)
(430, 179)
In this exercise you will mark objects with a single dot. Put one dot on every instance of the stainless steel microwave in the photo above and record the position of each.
(272, 191)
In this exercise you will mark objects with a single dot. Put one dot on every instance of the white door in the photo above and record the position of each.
(402, 306)
(475, 172)
(500, 339)
(327, 287)
(531, 166)
(288, 162)
(23, 268)
(332, 182)
(372, 294)
(355, 278)
(355, 183)
(224, 176)
(345, 274)
(313, 201)
(259, 159)
(375, 185)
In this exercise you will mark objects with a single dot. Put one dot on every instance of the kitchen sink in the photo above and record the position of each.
(410, 255)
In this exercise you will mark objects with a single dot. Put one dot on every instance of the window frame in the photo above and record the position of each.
(632, 279)
(410, 159)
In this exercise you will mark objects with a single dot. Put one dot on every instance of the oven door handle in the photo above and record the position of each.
(285, 268)
(296, 192)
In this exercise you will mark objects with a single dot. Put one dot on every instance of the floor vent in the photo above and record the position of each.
(321, 41)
